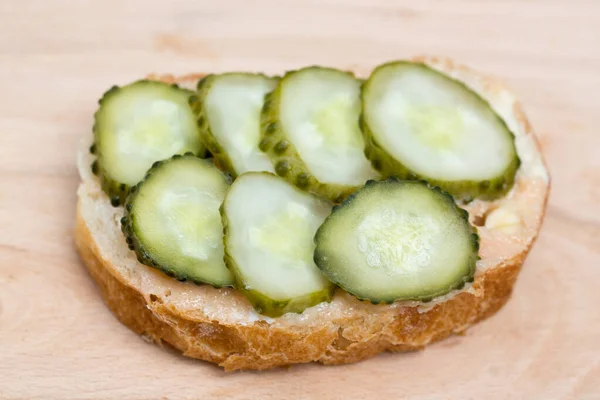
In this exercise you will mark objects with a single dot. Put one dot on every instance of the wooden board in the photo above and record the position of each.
(58, 340)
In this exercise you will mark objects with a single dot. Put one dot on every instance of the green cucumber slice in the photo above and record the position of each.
(172, 220)
(135, 126)
(310, 131)
(228, 109)
(421, 124)
(269, 227)
(397, 240)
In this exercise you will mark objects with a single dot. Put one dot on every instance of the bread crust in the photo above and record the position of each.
(261, 345)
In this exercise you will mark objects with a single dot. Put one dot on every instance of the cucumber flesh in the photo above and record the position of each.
(311, 132)
(172, 220)
(135, 126)
(397, 240)
(228, 107)
(269, 230)
(420, 123)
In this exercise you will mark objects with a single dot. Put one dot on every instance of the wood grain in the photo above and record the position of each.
(57, 339)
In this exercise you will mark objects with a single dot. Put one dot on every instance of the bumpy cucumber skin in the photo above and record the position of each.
(261, 303)
(321, 258)
(116, 191)
(143, 256)
(284, 156)
(273, 308)
(465, 190)
(196, 101)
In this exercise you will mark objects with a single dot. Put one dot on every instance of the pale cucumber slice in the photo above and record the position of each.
(397, 240)
(421, 124)
(135, 126)
(172, 220)
(269, 230)
(228, 109)
(311, 132)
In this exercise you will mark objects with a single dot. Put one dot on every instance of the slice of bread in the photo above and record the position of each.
(220, 326)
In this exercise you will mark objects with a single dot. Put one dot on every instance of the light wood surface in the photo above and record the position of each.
(58, 340)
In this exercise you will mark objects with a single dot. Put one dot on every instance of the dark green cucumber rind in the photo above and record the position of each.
(127, 227)
(283, 154)
(465, 189)
(276, 308)
(320, 256)
(261, 303)
(117, 191)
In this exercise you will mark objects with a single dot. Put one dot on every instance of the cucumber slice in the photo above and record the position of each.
(228, 109)
(135, 126)
(311, 133)
(269, 227)
(172, 220)
(421, 124)
(397, 240)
